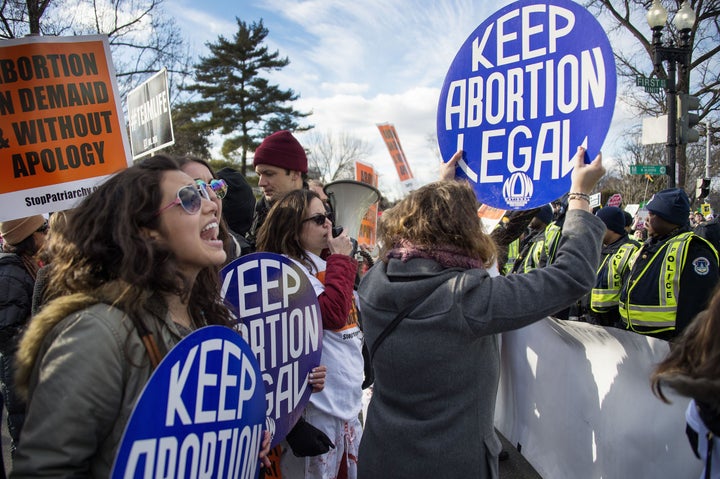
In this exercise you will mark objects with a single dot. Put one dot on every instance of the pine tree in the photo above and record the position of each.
(236, 101)
(191, 137)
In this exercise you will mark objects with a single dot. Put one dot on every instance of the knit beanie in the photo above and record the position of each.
(613, 218)
(239, 202)
(281, 149)
(672, 205)
(15, 231)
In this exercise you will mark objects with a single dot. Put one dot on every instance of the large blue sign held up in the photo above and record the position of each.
(201, 414)
(279, 315)
(532, 83)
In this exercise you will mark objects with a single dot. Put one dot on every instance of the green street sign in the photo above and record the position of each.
(651, 85)
(647, 169)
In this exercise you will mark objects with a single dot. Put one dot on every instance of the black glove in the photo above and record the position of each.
(367, 367)
(307, 440)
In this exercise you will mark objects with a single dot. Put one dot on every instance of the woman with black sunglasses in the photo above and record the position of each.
(137, 271)
(298, 227)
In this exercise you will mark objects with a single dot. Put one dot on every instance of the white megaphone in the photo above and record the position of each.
(350, 201)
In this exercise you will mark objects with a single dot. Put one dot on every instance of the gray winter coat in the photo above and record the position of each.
(436, 374)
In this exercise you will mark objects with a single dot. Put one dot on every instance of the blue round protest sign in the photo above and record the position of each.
(532, 83)
(279, 315)
(201, 414)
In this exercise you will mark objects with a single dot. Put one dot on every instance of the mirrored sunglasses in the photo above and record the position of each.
(319, 218)
(190, 198)
(219, 187)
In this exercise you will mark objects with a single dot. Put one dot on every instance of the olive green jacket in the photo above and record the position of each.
(83, 374)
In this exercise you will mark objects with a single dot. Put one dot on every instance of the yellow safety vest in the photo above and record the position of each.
(606, 293)
(552, 239)
(512, 254)
(638, 310)
(532, 259)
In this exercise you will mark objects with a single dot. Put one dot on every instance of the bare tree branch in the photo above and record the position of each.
(333, 155)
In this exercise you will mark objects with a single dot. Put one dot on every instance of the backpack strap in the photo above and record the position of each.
(148, 341)
(390, 327)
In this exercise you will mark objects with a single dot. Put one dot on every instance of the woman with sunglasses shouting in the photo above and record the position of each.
(235, 245)
(298, 227)
(137, 272)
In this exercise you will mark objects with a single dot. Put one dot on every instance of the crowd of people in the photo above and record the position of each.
(653, 287)
(91, 302)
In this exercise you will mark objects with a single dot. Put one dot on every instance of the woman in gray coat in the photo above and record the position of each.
(436, 373)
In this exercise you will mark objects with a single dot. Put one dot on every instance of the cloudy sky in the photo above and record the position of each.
(357, 64)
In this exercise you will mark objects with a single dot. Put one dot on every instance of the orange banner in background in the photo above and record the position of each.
(489, 216)
(396, 152)
(60, 118)
(368, 226)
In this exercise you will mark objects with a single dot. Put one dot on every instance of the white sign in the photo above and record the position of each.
(654, 130)
(577, 398)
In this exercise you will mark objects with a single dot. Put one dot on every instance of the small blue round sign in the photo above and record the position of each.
(279, 315)
(201, 414)
(533, 82)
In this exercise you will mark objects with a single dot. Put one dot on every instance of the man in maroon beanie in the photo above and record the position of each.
(281, 165)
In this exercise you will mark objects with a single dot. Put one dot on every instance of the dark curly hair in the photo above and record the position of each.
(105, 241)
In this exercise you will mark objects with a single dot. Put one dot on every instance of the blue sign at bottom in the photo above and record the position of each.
(201, 414)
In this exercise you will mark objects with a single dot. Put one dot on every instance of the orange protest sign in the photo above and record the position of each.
(490, 216)
(392, 142)
(61, 124)
(368, 226)
(489, 212)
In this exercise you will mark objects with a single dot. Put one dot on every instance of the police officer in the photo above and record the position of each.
(672, 275)
(617, 250)
(531, 246)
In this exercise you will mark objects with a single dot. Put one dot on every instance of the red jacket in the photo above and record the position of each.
(336, 301)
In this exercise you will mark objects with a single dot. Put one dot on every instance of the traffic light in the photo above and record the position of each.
(688, 119)
(703, 188)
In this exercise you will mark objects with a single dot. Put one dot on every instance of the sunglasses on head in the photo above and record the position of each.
(219, 187)
(319, 218)
(190, 198)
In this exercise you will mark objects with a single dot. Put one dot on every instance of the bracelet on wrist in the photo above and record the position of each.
(579, 196)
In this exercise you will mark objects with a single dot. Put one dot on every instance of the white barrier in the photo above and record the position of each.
(577, 398)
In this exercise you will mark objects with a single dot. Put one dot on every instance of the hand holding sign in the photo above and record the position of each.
(447, 170)
(585, 176)
(317, 378)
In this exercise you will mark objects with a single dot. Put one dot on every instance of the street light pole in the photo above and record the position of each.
(684, 21)
(671, 97)
(708, 137)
